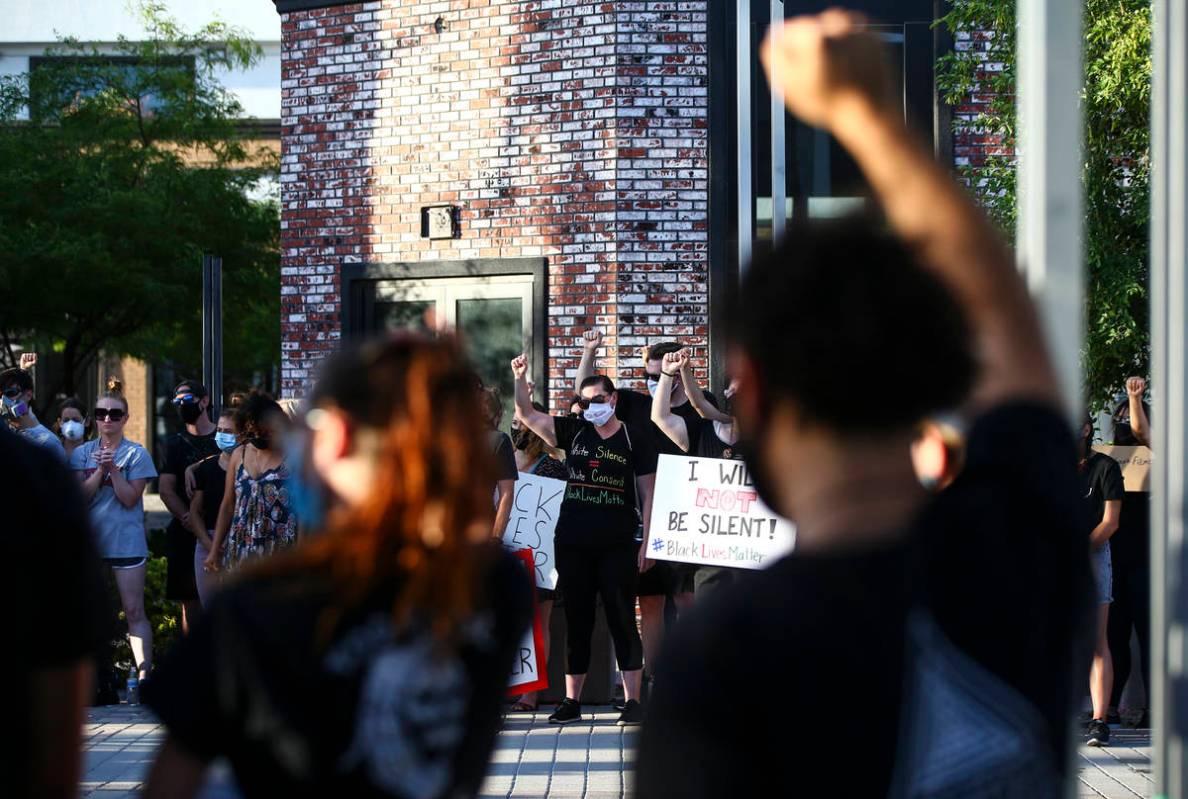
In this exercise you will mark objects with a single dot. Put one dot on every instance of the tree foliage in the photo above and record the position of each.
(116, 174)
(1116, 104)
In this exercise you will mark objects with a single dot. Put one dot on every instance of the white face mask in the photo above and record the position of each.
(599, 413)
(72, 429)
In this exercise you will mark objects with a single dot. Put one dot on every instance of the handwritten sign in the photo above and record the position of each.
(707, 511)
(529, 671)
(1135, 463)
(533, 522)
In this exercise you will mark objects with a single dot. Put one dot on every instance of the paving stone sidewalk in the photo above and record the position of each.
(591, 760)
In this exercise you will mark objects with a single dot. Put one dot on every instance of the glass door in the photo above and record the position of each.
(491, 315)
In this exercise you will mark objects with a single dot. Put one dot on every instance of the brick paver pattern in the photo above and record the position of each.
(588, 760)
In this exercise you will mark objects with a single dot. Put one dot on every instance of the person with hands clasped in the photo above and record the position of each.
(114, 472)
(717, 442)
(597, 545)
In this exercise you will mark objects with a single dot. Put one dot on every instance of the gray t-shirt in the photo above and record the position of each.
(42, 436)
(119, 530)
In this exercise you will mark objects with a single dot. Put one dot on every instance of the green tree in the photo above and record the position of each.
(1116, 102)
(116, 174)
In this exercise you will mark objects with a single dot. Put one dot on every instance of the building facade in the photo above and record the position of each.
(522, 171)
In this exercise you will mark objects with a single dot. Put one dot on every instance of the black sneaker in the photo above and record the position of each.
(1098, 733)
(632, 714)
(567, 712)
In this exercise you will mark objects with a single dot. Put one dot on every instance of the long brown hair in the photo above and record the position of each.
(431, 502)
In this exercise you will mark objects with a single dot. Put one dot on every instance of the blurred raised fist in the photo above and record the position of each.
(519, 366)
(592, 339)
(1135, 386)
(825, 63)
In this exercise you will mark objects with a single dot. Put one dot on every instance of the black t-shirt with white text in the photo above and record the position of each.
(356, 708)
(600, 496)
(914, 627)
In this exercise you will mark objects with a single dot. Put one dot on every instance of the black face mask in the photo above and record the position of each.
(189, 412)
(521, 438)
(260, 442)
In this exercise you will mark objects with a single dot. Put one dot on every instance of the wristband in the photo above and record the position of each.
(668, 374)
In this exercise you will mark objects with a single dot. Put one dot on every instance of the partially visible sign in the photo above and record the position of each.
(1135, 463)
(529, 671)
(533, 522)
(707, 511)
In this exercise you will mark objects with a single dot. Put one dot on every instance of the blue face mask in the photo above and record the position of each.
(307, 497)
(226, 441)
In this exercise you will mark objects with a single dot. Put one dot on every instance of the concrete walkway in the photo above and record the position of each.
(591, 760)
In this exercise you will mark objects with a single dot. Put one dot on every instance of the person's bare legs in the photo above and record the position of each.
(651, 628)
(573, 686)
(191, 609)
(546, 610)
(1101, 673)
(130, 583)
(632, 682)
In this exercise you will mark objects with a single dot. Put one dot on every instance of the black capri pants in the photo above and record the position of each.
(587, 570)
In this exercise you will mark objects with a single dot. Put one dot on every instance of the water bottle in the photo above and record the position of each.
(133, 687)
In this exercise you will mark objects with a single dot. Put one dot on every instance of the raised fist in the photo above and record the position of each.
(675, 361)
(1135, 386)
(592, 339)
(824, 63)
(519, 366)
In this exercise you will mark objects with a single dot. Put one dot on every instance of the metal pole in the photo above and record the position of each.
(743, 106)
(212, 329)
(207, 302)
(215, 387)
(1168, 692)
(1049, 183)
(778, 170)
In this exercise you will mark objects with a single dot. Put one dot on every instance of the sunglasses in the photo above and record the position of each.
(585, 403)
(187, 398)
(13, 392)
(114, 414)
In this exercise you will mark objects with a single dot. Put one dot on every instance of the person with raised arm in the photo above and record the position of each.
(598, 539)
(959, 620)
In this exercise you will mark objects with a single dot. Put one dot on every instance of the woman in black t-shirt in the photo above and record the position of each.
(370, 660)
(210, 484)
(597, 541)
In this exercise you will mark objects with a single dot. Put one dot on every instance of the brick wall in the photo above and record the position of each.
(565, 129)
(972, 146)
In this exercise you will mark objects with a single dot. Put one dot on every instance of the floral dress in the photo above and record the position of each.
(263, 521)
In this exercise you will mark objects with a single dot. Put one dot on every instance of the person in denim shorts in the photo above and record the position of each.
(1103, 502)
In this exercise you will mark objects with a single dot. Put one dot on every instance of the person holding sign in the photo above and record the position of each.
(716, 441)
(962, 618)
(598, 535)
(534, 456)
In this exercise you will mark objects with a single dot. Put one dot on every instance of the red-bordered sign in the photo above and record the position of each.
(530, 670)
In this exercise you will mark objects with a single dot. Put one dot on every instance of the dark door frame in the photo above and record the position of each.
(359, 283)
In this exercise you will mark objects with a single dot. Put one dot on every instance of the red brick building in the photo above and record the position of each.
(586, 156)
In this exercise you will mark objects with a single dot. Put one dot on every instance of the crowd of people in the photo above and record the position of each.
(350, 616)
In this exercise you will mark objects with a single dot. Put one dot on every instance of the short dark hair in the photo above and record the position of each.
(258, 411)
(196, 388)
(658, 351)
(843, 320)
(23, 379)
(596, 380)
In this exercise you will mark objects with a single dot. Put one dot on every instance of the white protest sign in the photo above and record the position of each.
(707, 511)
(533, 522)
